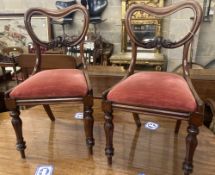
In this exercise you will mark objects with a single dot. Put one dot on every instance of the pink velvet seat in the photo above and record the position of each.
(53, 83)
(154, 90)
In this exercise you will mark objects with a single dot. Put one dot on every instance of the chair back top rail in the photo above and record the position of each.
(163, 12)
(56, 14)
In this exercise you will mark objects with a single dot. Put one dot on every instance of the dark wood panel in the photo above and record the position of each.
(50, 61)
(205, 88)
(204, 82)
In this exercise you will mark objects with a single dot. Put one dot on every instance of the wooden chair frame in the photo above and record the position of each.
(64, 41)
(194, 119)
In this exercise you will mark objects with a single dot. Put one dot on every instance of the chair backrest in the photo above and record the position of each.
(63, 41)
(50, 61)
(160, 42)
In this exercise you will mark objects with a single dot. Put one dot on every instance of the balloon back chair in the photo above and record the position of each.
(46, 87)
(161, 93)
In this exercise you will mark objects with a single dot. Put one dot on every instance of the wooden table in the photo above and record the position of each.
(104, 77)
(204, 83)
(145, 60)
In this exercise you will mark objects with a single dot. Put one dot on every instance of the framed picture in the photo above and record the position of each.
(13, 32)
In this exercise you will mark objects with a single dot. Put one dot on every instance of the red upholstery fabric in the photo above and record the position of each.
(52, 83)
(154, 90)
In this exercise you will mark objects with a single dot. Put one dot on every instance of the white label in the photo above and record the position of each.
(141, 173)
(79, 116)
(151, 125)
(44, 170)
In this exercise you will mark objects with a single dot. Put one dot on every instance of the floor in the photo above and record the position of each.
(62, 144)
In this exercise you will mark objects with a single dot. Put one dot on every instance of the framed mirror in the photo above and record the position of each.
(145, 26)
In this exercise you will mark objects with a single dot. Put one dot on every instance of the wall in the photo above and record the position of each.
(18, 6)
(110, 29)
(206, 46)
(175, 27)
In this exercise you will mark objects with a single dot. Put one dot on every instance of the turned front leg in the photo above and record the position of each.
(88, 123)
(17, 125)
(109, 128)
(191, 144)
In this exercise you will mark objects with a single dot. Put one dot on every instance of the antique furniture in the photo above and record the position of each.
(143, 25)
(104, 77)
(96, 8)
(210, 114)
(145, 61)
(102, 51)
(68, 19)
(204, 82)
(101, 77)
(5, 61)
(159, 93)
(50, 61)
(97, 50)
(54, 85)
(9, 59)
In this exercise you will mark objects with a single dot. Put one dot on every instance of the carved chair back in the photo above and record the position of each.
(159, 41)
(63, 41)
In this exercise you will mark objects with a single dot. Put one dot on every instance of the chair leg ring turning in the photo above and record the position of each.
(109, 152)
(191, 144)
(109, 128)
(17, 125)
(88, 125)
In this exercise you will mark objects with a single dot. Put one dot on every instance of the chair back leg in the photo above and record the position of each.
(137, 120)
(49, 112)
(177, 126)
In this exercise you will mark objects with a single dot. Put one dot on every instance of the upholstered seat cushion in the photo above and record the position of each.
(154, 90)
(51, 84)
